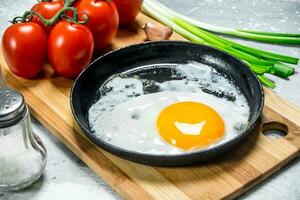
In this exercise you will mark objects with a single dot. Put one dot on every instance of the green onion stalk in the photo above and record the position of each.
(260, 61)
(283, 38)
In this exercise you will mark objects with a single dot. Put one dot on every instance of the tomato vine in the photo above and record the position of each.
(27, 16)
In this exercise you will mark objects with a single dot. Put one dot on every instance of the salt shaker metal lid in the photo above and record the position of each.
(12, 107)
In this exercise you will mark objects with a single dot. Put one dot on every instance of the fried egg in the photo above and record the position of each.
(197, 108)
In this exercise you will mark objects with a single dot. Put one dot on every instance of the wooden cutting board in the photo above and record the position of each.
(225, 177)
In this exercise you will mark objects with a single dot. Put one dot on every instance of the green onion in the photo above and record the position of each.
(260, 70)
(259, 61)
(270, 33)
(228, 46)
(282, 70)
(264, 80)
(256, 52)
(168, 22)
(282, 38)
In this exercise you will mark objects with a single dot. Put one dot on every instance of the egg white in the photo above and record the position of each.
(126, 117)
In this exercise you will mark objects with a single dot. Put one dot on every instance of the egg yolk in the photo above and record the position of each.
(189, 125)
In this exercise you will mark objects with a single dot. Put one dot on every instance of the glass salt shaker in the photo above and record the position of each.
(22, 154)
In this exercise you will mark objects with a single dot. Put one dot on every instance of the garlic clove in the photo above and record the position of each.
(155, 32)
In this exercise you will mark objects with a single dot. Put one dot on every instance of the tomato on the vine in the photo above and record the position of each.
(70, 48)
(103, 20)
(128, 10)
(24, 48)
(60, 1)
(46, 10)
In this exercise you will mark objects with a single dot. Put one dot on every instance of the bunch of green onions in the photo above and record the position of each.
(258, 60)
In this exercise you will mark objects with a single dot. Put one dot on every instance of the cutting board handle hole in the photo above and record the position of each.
(275, 130)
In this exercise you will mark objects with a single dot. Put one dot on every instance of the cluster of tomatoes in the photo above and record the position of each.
(51, 34)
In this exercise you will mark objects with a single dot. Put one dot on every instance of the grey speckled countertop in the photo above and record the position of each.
(66, 177)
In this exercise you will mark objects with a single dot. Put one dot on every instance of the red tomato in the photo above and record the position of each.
(70, 48)
(128, 10)
(60, 1)
(47, 10)
(103, 20)
(24, 48)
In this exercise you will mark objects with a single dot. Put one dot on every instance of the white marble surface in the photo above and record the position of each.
(66, 177)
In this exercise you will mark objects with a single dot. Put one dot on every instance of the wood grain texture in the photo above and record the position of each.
(225, 177)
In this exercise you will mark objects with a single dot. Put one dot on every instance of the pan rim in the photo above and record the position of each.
(118, 150)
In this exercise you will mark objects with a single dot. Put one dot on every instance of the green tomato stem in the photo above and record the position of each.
(49, 22)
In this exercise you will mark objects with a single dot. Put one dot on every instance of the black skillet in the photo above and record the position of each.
(85, 90)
